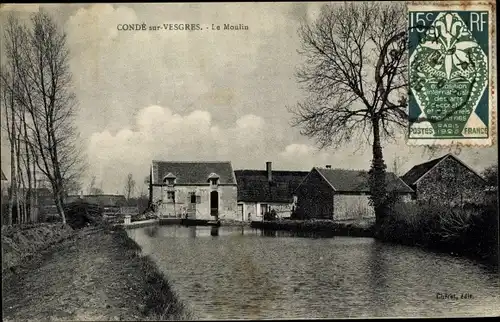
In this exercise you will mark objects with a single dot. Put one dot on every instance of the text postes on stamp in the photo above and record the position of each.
(451, 75)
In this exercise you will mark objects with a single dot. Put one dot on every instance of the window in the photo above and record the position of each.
(198, 199)
(213, 179)
(169, 179)
(263, 209)
(170, 196)
(193, 198)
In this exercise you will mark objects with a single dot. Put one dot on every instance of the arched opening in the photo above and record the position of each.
(214, 203)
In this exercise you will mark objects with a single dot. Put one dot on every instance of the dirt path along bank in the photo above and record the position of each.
(94, 276)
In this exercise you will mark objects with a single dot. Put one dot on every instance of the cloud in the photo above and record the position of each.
(159, 133)
(198, 96)
(164, 135)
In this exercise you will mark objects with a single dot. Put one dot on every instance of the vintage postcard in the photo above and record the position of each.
(253, 161)
(452, 72)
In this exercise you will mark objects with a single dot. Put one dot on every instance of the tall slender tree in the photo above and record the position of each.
(38, 60)
(355, 73)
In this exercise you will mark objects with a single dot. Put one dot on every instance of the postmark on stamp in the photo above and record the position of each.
(452, 80)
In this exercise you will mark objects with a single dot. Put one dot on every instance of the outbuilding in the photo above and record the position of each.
(340, 194)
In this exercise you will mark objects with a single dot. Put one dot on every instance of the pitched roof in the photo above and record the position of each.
(3, 176)
(193, 172)
(253, 185)
(102, 200)
(418, 171)
(357, 180)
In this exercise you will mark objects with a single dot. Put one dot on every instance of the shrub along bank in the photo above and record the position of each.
(24, 241)
(467, 231)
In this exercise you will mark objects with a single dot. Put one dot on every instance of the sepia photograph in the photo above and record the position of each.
(249, 160)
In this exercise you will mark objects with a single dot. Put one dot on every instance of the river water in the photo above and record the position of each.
(247, 274)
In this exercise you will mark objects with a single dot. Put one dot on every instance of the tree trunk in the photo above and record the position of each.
(377, 175)
(59, 201)
(150, 186)
(29, 197)
(12, 160)
(34, 196)
(20, 181)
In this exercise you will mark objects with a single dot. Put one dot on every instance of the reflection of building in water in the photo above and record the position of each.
(192, 231)
(152, 231)
(214, 231)
(269, 233)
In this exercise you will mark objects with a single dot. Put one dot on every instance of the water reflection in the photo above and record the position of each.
(269, 233)
(214, 231)
(152, 231)
(192, 231)
(242, 274)
(377, 278)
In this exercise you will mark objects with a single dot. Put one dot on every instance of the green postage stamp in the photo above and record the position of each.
(452, 73)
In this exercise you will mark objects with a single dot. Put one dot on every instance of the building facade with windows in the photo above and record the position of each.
(261, 191)
(194, 190)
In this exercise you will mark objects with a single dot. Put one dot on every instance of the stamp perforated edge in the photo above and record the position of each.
(489, 6)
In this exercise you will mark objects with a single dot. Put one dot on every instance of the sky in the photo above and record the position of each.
(198, 95)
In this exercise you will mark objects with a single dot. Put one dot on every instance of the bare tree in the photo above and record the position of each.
(10, 85)
(8, 102)
(92, 189)
(397, 163)
(40, 64)
(129, 186)
(355, 73)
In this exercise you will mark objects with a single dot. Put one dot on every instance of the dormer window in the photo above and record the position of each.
(213, 179)
(169, 179)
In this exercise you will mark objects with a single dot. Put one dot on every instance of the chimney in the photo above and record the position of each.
(269, 171)
(328, 166)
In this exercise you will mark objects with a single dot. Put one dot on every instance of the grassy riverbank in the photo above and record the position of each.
(23, 242)
(96, 274)
(323, 227)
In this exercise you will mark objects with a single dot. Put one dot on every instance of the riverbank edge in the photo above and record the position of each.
(325, 228)
(492, 263)
(153, 297)
(160, 301)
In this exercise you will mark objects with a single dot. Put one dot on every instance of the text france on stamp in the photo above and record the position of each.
(452, 73)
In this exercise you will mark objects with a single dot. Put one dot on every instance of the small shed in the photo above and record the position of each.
(446, 179)
(341, 194)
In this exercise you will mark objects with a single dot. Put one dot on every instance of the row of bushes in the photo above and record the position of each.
(470, 231)
(326, 227)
